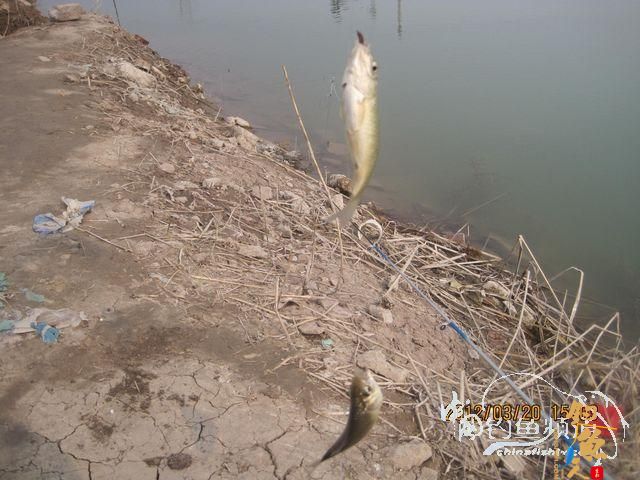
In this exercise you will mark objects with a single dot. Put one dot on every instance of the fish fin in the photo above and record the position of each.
(344, 215)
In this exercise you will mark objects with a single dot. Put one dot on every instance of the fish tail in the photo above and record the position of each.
(341, 444)
(344, 215)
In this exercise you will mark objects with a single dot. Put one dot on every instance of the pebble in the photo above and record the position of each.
(66, 12)
(497, 289)
(429, 474)
(340, 182)
(293, 156)
(311, 328)
(338, 201)
(255, 251)
(375, 361)
(185, 185)
(132, 73)
(409, 455)
(44, 59)
(380, 313)
(70, 78)
(210, 182)
(216, 143)
(241, 122)
(166, 167)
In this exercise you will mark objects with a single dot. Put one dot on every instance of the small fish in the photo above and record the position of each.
(366, 400)
(360, 114)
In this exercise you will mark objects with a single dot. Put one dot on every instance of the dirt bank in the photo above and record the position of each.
(223, 319)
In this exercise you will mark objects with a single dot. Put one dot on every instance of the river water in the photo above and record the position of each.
(514, 116)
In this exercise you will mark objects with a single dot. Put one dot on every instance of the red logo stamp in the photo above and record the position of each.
(597, 473)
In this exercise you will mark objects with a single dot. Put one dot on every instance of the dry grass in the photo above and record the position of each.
(305, 273)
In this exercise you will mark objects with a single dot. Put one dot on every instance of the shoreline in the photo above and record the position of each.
(222, 221)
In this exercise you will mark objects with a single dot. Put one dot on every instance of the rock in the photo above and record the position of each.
(287, 195)
(141, 39)
(133, 74)
(338, 201)
(311, 328)
(241, 122)
(340, 182)
(263, 193)
(144, 248)
(429, 474)
(497, 289)
(380, 313)
(184, 185)
(293, 156)
(71, 78)
(285, 230)
(44, 59)
(245, 138)
(375, 361)
(66, 12)
(267, 148)
(166, 167)
(409, 455)
(210, 182)
(216, 143)
(255, 251)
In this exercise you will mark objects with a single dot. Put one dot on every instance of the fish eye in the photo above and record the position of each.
(367, 391)
(375, 67)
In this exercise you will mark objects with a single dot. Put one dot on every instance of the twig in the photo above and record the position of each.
(103, 239)
(313, 158)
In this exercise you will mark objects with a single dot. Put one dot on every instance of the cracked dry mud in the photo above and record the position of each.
(148, 387)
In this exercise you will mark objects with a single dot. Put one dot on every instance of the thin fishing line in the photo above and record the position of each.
(462, 334)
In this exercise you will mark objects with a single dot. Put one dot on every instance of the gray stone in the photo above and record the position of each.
(210, 182)
(133, 74)
(375, 361)
(380, 313)
(241, 122)
(340, 182)
(409, 455)
(293, 156)
(66, 12)
(71, 78)
(338, 201)
(216, 143)
(166, 167)
(429, 474)
(245, 138)
(185, 185)
(255, 251)
(311, 328)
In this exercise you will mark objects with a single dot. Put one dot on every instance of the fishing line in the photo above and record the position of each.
(450, 323)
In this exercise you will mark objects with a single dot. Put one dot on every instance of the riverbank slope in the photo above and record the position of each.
(222, 317)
